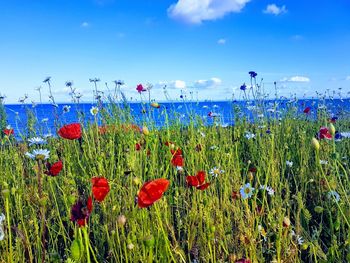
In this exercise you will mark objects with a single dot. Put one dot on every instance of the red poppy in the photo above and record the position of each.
(8, 132)
(197, 181)
(324, 133)
(177, 159)
(137, 147)
(253, 169)
(307, 110)
(235, 195)
(81, 211)
(140, 88)
(151, 192)
(100, 188)
(54, 169)
(70, 131)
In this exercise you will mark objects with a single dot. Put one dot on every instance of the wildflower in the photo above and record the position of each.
(289, 163)
(2, 233)
(243, 87)
(140, 88)
(249, 135)
(252, 74)
(324, 134)
(130, 246)
(246, 191)
(323, 162)
(307, 110)
(70, 131)
(36, 141)
(44, 120)
(315, 144)
(268, 189)
(216, 171)
(121, 220)
(100, 188)
(177, 159)
(155, 105)
(235, 195)
(333, 120)
(137, 146)
(243, 260)
(8, 130)
(152, 191)
(81, 211)
(38, 154)
(286, 221)
(145, 130)
(197, 181)
(333, 195)
(53, 169)
(262, 232)
(332, 129)
(94, 111)
(66, 108)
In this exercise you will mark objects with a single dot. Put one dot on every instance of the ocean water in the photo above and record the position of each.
(222, 113)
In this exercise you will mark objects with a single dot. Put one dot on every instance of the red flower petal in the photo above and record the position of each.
(70, 131)
(100, 188)
(54, 169)
(192, 180)
(201, 177)
(177, 160)
(307, 110)
(203, 186)
(151, 192)
(8, 132)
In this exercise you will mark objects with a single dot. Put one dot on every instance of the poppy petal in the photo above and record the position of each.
(152, 191)
(201, 177)
(203, 186)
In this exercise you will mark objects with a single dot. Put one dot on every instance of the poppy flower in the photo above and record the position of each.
(81, 211)
(100, 188)
(140, 88)
(8, 131)
(137, 146)
(152, 191)
(307, 110)
(324, 133)
(197, 181)
(70, 131)
(53, 169)
(177, 159)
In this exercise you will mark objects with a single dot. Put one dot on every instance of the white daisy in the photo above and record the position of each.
(323, 162)
(246, 191)
(289, 163)
(216, 171)
(38, 154)
(249, 135)
(268, 189)
(36, 141)
(94, 111)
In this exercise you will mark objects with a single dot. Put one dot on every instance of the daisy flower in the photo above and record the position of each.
(333, 195)
(216, 171)
(249, 135)
(39, 154)
(94, 111)
(246, 191)
(268, 189)
(36, 141)
(323, 162)
(289, 163)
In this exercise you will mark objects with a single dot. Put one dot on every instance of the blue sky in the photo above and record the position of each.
(205, 47)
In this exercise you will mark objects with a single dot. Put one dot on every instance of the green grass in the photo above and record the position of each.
(186, 224)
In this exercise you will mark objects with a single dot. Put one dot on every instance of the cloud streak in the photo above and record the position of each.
(298, 79)
(197, 11)
(273, 9)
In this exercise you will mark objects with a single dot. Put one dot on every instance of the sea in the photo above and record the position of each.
(47, 118)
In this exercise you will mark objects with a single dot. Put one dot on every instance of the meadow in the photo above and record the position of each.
(269, 190)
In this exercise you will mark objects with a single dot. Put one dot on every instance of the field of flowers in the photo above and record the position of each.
(276, 190)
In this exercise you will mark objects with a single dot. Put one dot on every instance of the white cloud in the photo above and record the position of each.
(275, 10)
(85, 24)
(175, 84)
(197, 11)
(296, 79)
(209, 83)
(221, 41)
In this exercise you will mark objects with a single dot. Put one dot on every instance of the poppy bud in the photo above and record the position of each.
(130, 246)
(318, 209)
(250, 176)
(332, 129)
(145, 130)
(315, 144)
(6, 193)
(75, 250)
(286, 222)
(121, 220)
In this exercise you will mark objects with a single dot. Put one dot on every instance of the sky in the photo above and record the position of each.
(203, 49)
